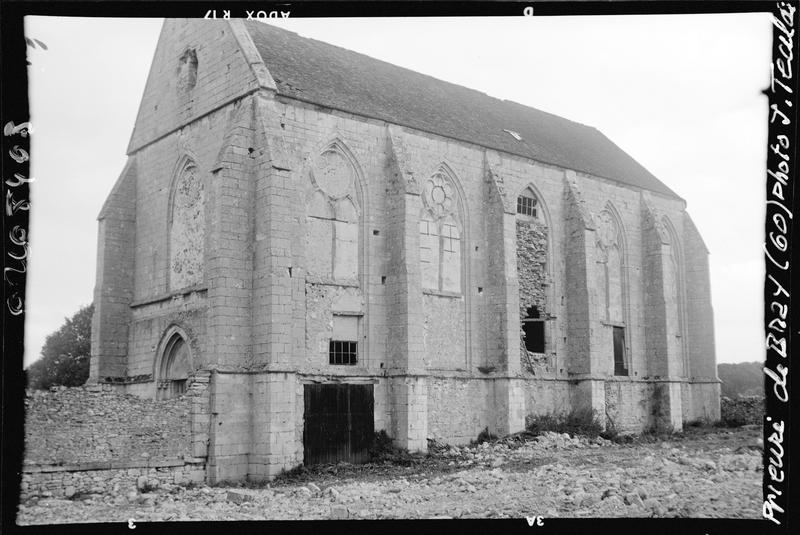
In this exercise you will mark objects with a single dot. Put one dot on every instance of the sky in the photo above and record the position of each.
(680, 93)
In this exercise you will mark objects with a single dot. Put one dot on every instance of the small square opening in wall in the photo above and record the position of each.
(376, 232)
(343, 352)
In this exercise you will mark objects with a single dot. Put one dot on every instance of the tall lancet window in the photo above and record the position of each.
(610, 284)
(532, 253)
(440, 230)
(187, 229)
(332, 219)
(673, 292)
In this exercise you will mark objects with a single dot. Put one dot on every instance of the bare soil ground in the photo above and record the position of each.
(705, 472)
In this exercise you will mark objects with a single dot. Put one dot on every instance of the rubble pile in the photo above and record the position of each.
(713, 474)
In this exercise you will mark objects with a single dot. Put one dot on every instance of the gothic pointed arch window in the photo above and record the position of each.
(440, 240)
(187, 229)
(174, 367)
(333, 215)
(673, 292)
(610, 284)
(532, 273)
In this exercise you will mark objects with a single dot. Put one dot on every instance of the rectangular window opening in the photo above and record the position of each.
(620, 368)
(534, 335)
(344, 352)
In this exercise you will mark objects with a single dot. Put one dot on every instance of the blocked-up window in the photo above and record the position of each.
(332, 217)
(187, 71)
(187, 230)
(429, 254)
(451, 256)
(533, 329)
(174, 371)
(440, 235)
(620, 367)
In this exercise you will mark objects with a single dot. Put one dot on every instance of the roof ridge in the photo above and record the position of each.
(335, 77)
(373, 58)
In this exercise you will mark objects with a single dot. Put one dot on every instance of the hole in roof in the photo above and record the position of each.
(513, 134)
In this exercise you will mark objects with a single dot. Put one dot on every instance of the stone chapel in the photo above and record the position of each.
(316, 245)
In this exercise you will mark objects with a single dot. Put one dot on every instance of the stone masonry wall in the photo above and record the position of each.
(95, 424)
(545, 397)
(629, 405)
(69, 481)
(458, 409)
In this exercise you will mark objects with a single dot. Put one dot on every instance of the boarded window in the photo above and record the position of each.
(620, 368)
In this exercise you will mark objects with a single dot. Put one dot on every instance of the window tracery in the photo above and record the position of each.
(187, 230)
(440, 235)
(333, 215)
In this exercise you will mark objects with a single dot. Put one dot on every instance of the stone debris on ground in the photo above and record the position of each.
(706, 474)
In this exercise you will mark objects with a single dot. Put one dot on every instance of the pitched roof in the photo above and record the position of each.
(330, 76)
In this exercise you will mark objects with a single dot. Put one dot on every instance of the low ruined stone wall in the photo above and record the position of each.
(93, 440)
(113, 479)
(92, 424)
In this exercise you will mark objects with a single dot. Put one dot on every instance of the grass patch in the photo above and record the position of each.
(582, 422)
(484, 436)
(383, 450)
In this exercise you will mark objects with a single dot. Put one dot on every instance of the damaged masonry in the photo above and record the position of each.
(307, 272)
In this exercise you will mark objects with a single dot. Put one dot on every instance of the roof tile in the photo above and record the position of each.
(330, 76)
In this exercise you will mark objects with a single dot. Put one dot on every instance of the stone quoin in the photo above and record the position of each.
(304, 235)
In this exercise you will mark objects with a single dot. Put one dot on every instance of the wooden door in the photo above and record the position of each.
(339, 423)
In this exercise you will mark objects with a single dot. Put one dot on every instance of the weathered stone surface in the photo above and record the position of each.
(339, 512)
(240, 496)
(251, 223)
(83, 424)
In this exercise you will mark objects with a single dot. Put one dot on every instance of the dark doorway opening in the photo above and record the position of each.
(339, 423)
(533, 328)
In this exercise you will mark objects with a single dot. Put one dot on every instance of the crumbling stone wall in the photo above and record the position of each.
(532, 275)
(96, 424)
(71, 481)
